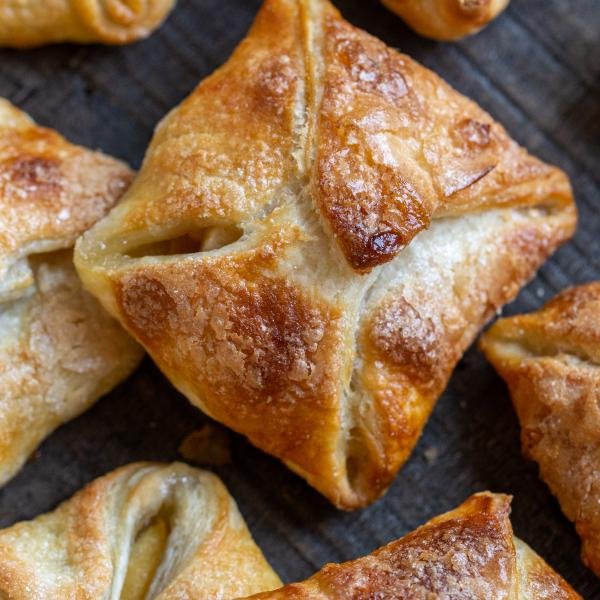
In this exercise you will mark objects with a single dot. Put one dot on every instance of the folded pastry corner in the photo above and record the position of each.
(59, 350)
(316, 235)
(146, 530)
(469, 552)
(550, 360)
(29, 23)
(447, 19)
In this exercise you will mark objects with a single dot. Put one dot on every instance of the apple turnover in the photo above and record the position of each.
(166, 532)
(59, 349)
(317, 234)
(28, 23)
(467, 553)
(447, 19)
(550, 360)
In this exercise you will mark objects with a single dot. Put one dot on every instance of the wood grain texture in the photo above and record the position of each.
(537, 70)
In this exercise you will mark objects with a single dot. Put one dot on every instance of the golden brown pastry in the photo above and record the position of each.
(550, 360)
(272, 255)
(28, 23)
(166, 532)
(447, 19)
(59, 350)
(469, 553)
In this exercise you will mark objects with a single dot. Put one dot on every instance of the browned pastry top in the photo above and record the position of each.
(551, 362)
(397, 147)
(28, 23)
(468, 553)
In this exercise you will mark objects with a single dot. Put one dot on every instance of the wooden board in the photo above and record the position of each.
(537, 70)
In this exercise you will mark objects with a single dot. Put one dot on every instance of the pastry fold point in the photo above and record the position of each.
(447, 19)
(469, 552)
(146, 530)
(316, 236)
(550, 360)
(29, 23)
(59, 349)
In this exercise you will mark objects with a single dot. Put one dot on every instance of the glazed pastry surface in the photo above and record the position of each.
(316, 235)
(447, 19)
(59, 350)
(550, 360)
(469, 553)
(145, 531)
(28, 23)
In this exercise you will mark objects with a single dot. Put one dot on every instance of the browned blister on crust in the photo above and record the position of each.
(168, 532)
(447, 19)
(550, 360)
(59, 350)
(315, 237)
(467, 553)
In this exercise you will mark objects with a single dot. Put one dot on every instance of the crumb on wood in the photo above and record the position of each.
(431, 454)
(34, 456)
(208, 445)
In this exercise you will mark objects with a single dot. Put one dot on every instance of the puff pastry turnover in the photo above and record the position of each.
(469, 553)
(59, 350)
(28, 23)
(166, 532)
(550, 360)
(447, 19)
(267, 254)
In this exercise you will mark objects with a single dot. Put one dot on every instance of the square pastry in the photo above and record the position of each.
(317, 234)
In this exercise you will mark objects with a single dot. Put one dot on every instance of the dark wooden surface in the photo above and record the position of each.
(536, 69)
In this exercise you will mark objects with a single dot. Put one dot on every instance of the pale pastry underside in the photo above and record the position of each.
(316, 236)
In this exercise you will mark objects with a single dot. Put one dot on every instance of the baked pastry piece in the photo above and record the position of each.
(167, 532)
(550, 360)
(267, 254)
(447, 19)
(28, 23)
(59, 350)
(467, 553)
